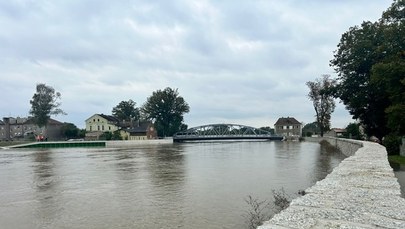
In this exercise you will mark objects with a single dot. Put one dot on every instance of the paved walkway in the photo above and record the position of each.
(362, 192)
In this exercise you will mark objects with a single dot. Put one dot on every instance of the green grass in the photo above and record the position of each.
(397, 159)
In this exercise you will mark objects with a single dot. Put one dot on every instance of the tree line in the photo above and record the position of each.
(369, 61)
(165, 108)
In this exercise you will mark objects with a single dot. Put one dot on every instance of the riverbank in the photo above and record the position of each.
(123, 144)
(362, 192)
(86, 144)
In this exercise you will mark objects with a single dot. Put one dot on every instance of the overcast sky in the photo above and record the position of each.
(233, 61)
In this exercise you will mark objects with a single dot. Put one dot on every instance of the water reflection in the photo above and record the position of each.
(166, 165)
(43, 171)
(45, 182)
(327, 158)
(126, 164)
(287, 149)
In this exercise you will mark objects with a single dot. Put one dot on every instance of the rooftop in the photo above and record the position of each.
(287, 121)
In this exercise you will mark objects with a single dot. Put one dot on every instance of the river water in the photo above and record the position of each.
(188, 185)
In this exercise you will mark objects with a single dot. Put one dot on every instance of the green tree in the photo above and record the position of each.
(45, 103)
(166, 109)
(82, 133)
(126, 111)
(353, 131)
(106, 136)
(389, 75)
(69, 130)
(116, 135)
(311, 128)
(324, 104)
(369, 79)
(268, 129)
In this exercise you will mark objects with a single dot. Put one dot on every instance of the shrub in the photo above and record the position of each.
(262, 210)
(392, 143)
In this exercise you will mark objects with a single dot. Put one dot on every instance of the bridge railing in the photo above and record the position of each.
(223, 131)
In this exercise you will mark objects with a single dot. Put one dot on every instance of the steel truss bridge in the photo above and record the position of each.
(223, 132)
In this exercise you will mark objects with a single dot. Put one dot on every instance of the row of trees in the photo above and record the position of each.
(370, 64)
(166, 108)
(371, 68)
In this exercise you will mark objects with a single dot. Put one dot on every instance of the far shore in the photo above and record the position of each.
(108, 144)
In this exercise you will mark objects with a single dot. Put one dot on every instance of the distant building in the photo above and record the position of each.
(102, 122)
(22, 128)
(97, 124)
(335, 132)
(139, 131)
(288, 127)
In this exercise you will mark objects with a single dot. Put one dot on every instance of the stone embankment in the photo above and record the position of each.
(362, 192)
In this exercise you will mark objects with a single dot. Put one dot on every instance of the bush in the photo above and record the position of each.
(281, 200)
(262, 210)
(392, 143)
(258, 212)
(106, 136)
(308, 134)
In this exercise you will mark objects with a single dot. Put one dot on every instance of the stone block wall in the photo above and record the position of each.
(362, 192)
(347, 146)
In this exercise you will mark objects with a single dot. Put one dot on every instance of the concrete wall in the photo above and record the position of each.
(362, 192)
(129, 143)
(347, 146)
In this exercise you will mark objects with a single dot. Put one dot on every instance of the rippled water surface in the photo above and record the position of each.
(190, 185)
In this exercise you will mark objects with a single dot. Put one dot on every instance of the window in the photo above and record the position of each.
(98, 127)
(91, 128)
(102, 127)
(109, 127)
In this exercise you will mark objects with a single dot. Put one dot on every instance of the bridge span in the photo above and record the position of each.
(224, 132)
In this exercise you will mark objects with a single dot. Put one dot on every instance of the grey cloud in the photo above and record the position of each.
(231, 60)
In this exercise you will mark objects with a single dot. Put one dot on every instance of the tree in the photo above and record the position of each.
(324, 105)
(45, 103)
(389, 75)
(370, 64)
(166, 108)
(353, 131)
(126, 111)
(311, 128)
(69, 130)
(268, 129)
